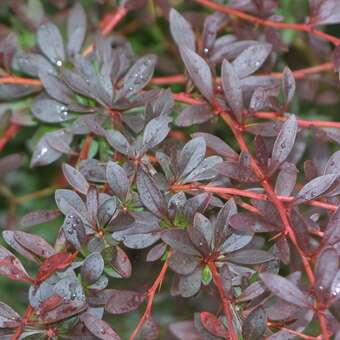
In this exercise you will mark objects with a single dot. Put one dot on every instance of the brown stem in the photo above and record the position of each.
(268, 23)
(8, 135)
(249, 194)
(298, 74)
(84, 152)
(226, 302)
(151, 295)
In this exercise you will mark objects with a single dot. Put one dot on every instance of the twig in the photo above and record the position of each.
(308, 28)
(226, 302)
(8, 135)
(151, 295)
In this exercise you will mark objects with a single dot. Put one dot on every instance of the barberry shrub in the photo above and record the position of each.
(198, 205)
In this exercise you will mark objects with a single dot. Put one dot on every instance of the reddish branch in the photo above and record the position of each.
(226, 302)
(288, 228)
(298, 74)
(249, 194)
(150, 297)
(84, 152)
(186, 98)
(308, 28)
(8, 135)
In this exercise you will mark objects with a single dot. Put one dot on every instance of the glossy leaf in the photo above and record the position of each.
(181, 30)
(315, 188)
(75, 179)
(199, 72)
(99, 328)
(117, 180)
(284, 142)
(51, 43)
(232, 89)
(123, 301)
(285, 290)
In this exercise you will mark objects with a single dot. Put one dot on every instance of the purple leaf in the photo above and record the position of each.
(9, 318)
(182, 263)
(190, 284)
(333, 164)
(123, 301)
(315, 188)
(246, 221)
(251, 59)
(286, 179)
(99, 328)
(76, 29)
(117, 141)
(191, 156)
(51, 111)
(179, 240)
(56, 88)
(75, 179)
(32, 64)
(216, 144)
(11, 267)
(213, 325)
(326, 268)
(39, 217)
(222, 222)
(156, 252)
(51, 43)
(92, 267)
(155, 132)
(139, 75)
(250, 256)
(149, 194)
(121, 263)
(194, 114)
(289, 85)
(332, 231)
(199, 72)
(232, 89)
(34, 243)
(181, 30)
(200, 233)
(74, 231)
(286, 290)
(324, 12)
(284, 142)
(117, 180)
(69, 203)
(255, 324)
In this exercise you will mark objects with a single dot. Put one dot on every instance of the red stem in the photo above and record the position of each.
(249, 194)
(187, 99)
(8, 135)
(268, 23)
(84, 152)
(298, 74)
(226, 302)
(151, 295)
(28, 313)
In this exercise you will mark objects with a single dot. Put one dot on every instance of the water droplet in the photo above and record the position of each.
(257, 63)
(201, 244)
(206, 50)
(73, 296)
(312, 193)
(102, 331)
(283, 145)
(70, 231)
(59, 63)
(130, 89)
